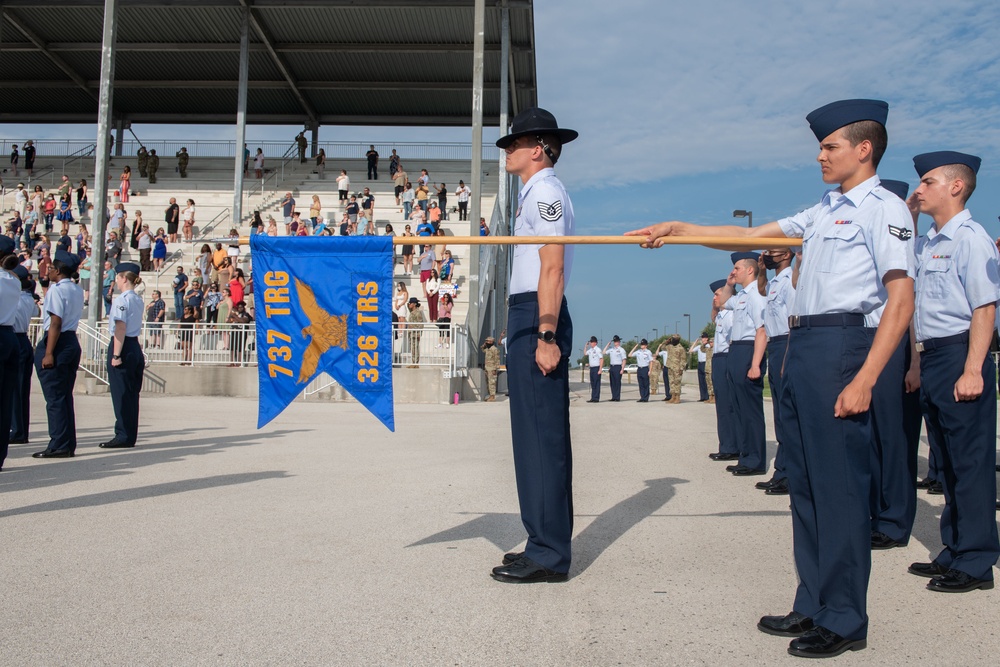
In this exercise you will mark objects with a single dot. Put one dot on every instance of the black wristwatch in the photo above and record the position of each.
(116, 356)
(547, 336)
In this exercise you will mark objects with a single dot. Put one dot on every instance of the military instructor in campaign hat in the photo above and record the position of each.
(539, 343)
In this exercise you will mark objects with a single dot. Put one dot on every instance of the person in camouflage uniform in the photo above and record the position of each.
(153, 165)
(655, 367)
(491, 365)
(182, 161)
(143, 160)
(416, 318)
(709, 348)
(676, 363)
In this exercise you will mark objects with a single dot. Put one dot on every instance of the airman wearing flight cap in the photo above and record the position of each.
(643, 356)
(126, 363)
(725, 424)
(958, 285)
(539, 343)
(57, 355)
(616, 360)
(26, 309)
(745, 368)
(858, 255)
(595, 359)
(10, 290)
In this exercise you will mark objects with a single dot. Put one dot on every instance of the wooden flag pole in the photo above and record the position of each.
(711, 241)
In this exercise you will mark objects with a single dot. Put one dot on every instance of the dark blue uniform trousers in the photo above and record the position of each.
(895, 417)
(642, 375)
(9, 351)
(57, 387)
(702, 381)
(748, 405)
(776, 358)
(126, 382)
(828, 461)
(595, 383)
(616, 382)
(933, 448)
(966, 432)
(539, 425)
(724, 417)
(666, 384)
(21, 416)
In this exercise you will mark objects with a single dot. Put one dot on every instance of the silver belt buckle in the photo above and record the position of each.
(793, 321)
(920, 347)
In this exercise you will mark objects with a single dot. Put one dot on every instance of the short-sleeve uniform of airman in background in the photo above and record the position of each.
(21, 416)
(10, 290)
(125, 380)
(595, 360)
(779, 298)
(724, 418)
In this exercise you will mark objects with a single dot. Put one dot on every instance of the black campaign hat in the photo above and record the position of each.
(643, 342)
(927, 161)
(593, 339)
(535, 121)
(617, 338)
(831, 117)
(717, 285)
(898, 188)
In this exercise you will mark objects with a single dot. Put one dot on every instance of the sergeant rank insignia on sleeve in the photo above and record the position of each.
(550, 212)
(900, 233)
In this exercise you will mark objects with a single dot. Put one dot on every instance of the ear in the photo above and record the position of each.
(957, 187)
(864, 150)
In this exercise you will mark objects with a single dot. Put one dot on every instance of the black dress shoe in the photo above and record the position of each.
(956, 581)
(733, 467)
(926, 483)
(719, 456)
(882, 541)
(18, 441)
(792, 625)
(932, 569)
(779, 489)
(822, 643)
(744, 471)
(512, 556)
(526, 571)
(52, 455)
(643, 400)
(935, 489)
(114, 444)
(764, 486)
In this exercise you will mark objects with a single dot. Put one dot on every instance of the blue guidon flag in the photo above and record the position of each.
(323, 304)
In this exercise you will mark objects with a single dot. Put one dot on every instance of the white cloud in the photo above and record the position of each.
(662, 89)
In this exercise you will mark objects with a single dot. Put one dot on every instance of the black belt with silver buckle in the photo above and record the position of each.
(934, 343)
(828, 320)
(777, 338)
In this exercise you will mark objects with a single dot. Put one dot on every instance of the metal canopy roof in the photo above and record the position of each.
(335, 62)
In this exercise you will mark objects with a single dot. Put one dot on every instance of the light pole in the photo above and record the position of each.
(677, 326)
(688, 315)
(744, 214)
(656, 333)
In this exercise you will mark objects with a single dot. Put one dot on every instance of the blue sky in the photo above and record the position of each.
(691, 110)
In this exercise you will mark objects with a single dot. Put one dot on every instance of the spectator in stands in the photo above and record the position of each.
(483, 229)
(205, 260)
(145, 241)
(390, 232)
(50, 212)
(343, 186)
(187, 219)
(315, 208)
(82, 241)
(126, 184)
(240, 317)
(463, 193)
(212, 300)
(43, 266)
(20, 199)
(15, 225)
(257, 224)
(194, 298)
(303, 229)
(65, 214)
(439, 250)
(156, 312)
(15, 157)
(246, 160)
(159, 249)
(426, 266)
(293, 229)
(29, 157)
(321, 229)
(353, 209)
(287, 209)
(370, 228)
(399, 300)
(372, 156)
(442, 194)
(173, 217)
(425, 178)
(108, 286)
(393, 163)
(26, 260)
(84, 271)
(136, 230)
(258, 164)
(226, 306)
(448, 268)
(407, 197)
(65, 243)
(237, 285)
(424, 228)
(407, 252)
(64, 187)
(421, 195)
(368, 203)
(272, 226)
(444, 320)
(37, 200)
(399, 180)
(431, 290)
(180, 285)
(233, 250)
(116, 222)
(321, 164)
(226, 271)
(30, 223)
(187, 321)
(81, 197)
(434, 216)
(112, 249)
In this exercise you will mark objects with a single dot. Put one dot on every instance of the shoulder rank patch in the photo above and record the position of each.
(900, 233)
(550, 212)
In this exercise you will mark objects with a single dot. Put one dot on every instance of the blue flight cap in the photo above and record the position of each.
(737, 256)
(21, 272)
(898, 188)
(6, 244)
(717, 285)
(828, 119)
(69, 260)
(928, 161)
(128, 266)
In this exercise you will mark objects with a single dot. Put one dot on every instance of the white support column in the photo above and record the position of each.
(502, 193)
(241, 118)
(475, 205)
(99, 191)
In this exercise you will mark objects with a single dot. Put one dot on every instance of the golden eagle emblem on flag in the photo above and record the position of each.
(326, 331)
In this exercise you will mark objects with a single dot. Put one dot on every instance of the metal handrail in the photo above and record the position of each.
(51, 173)
(212, 224)
(94, 343)
(84, 152)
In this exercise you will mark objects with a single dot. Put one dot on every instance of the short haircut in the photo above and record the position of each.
(750, 263)
(964, 174)
(868, 130)
(554, 146)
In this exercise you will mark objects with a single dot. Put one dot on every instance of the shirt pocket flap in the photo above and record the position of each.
(842, 232)
(938, 265)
